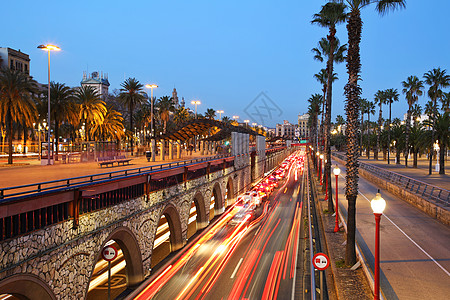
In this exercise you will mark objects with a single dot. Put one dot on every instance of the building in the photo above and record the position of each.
(99, 83)
(175, 99)
(286, 130)
(14, 60)
(303, 125)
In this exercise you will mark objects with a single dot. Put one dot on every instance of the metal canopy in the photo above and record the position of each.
(200, 127)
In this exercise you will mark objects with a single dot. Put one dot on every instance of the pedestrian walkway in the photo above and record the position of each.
(29, 171)
(414, 254)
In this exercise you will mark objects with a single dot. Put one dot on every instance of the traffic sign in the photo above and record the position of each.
(321, 261)
(109, 253)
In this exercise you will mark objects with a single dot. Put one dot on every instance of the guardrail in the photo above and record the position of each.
(68, 183)
(424, 190)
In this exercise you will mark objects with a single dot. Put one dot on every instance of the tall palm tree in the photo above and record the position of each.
(210, 114)
(412, 88)
(440, 126)
(380, 99)
(181, 116)
(363, 107)
(226, 119)
(16, 103)
(436, 79)
(132, 95)
(330, 15)
(165, 107)
(61, 97)
(111, 128)
(417, 141)
(369, 111)
(91, 108)
(315, 101)
(416, 112)
(446, 101)
(321, 77)
(391, 96)
(353, 92)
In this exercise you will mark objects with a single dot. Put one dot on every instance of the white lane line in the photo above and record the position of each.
(237, 268)
(412, 241)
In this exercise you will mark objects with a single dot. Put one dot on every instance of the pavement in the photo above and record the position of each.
(414, 253)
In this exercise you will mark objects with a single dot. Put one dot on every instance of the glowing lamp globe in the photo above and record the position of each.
(336, 171)
(378, 204)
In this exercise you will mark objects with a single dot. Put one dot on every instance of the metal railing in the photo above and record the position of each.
(15, 192)
(422, 189)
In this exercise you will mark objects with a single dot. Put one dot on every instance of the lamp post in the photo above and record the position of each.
(320, 169)
(437, 149)
(246, 123)
(317, 154)
(336, 172)
(196, 102)
(326, 180)
(378, 205)
(220, 112)
(49, 48)
(152, 135)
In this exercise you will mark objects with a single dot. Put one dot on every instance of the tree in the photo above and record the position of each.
(417, 141)
(315, 102)
(165, 107)
(370, 110)
(321, 77)
(363, 107)
(330, 15)
(111, 128)
(380, 99)
(353, 92)
(210, 114)
(91, 108)
(441, 129)
(132, 95)
(446, 101)
(16, 103)
(412, 88)
(391, 96)
(61, 97)
(226, 120)
(181, 116)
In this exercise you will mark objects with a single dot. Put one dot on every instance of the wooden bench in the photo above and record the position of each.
(105, 161)
(122, 160)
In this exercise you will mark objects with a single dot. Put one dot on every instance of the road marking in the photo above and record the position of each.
(237, 267)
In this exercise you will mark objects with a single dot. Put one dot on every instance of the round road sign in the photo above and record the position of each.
(321, 261)
(109, 253)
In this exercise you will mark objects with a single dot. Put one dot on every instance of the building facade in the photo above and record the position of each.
(303, 125)
(99, 82)
(14, 60)
(286, 130)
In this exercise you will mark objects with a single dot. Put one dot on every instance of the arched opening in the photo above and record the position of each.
(216, 206)
(25, 287)
(168, 235)
(126, 268)
(197, 215)
(229, 192)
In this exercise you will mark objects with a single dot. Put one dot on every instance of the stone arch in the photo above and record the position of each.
(219, 206)
(26, 287)
(229, 192)
(176, 233)
(129, 245)
(200, 206)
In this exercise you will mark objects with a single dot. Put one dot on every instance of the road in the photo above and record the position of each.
(414, 247)
(255, 258)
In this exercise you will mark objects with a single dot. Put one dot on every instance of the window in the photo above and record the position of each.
(11, 66)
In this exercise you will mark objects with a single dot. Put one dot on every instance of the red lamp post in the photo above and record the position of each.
(320, 170)
(336, 172)
(378, 205)
(317, 154)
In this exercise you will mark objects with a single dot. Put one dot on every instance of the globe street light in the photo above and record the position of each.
(49, 48)
(151, 87)
(196, 102)
(378, 205)
(336, 172)
(220, 112)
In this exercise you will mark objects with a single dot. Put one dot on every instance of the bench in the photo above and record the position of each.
(105, 161)
(122, 160)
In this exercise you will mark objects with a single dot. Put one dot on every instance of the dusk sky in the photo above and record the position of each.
(225, 53)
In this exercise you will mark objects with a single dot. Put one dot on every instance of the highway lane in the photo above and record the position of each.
(414, 248)
(253, 259)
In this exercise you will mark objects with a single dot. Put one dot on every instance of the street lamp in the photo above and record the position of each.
(220, 112)
(436, 148)
(317, 154)
(49, 48)
(378, 205)
(246, 123)
(336, 172)
(320, 169)
(254, 124)
(196, 102)
(151, 87)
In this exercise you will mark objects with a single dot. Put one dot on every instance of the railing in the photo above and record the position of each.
(15, 192)
(424, 190)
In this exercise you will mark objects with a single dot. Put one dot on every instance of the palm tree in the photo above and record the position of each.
(380, 99)
(91, 108)
(416, 112)
(353, 92)
(210, 114)
(132, 95)
(165, 107)
(416, 142)
(445, 101)
(370, 110)
(226, 120)
(16, 103)
(111, 128)
(321, 77)
(61, 97)
(412, 88)
(315, 102)
(440, 126)
(436, 79)
(330, 15)
(363, 107)
(181, 116)
(391, 96)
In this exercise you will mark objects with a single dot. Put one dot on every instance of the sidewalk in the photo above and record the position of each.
(28, 171)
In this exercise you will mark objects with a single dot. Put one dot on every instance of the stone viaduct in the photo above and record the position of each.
(50, 242)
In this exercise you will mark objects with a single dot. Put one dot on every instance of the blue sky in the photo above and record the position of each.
(224, 53)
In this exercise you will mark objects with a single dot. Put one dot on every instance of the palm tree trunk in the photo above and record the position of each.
(56, 137)
(10, 137)
(442, 152)
(378, 133)
(131, 126)
(368, 136)
(408, 125)
(352, 92)
(389, 134)
(430, 165)
(415, 159)
(361, 134)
